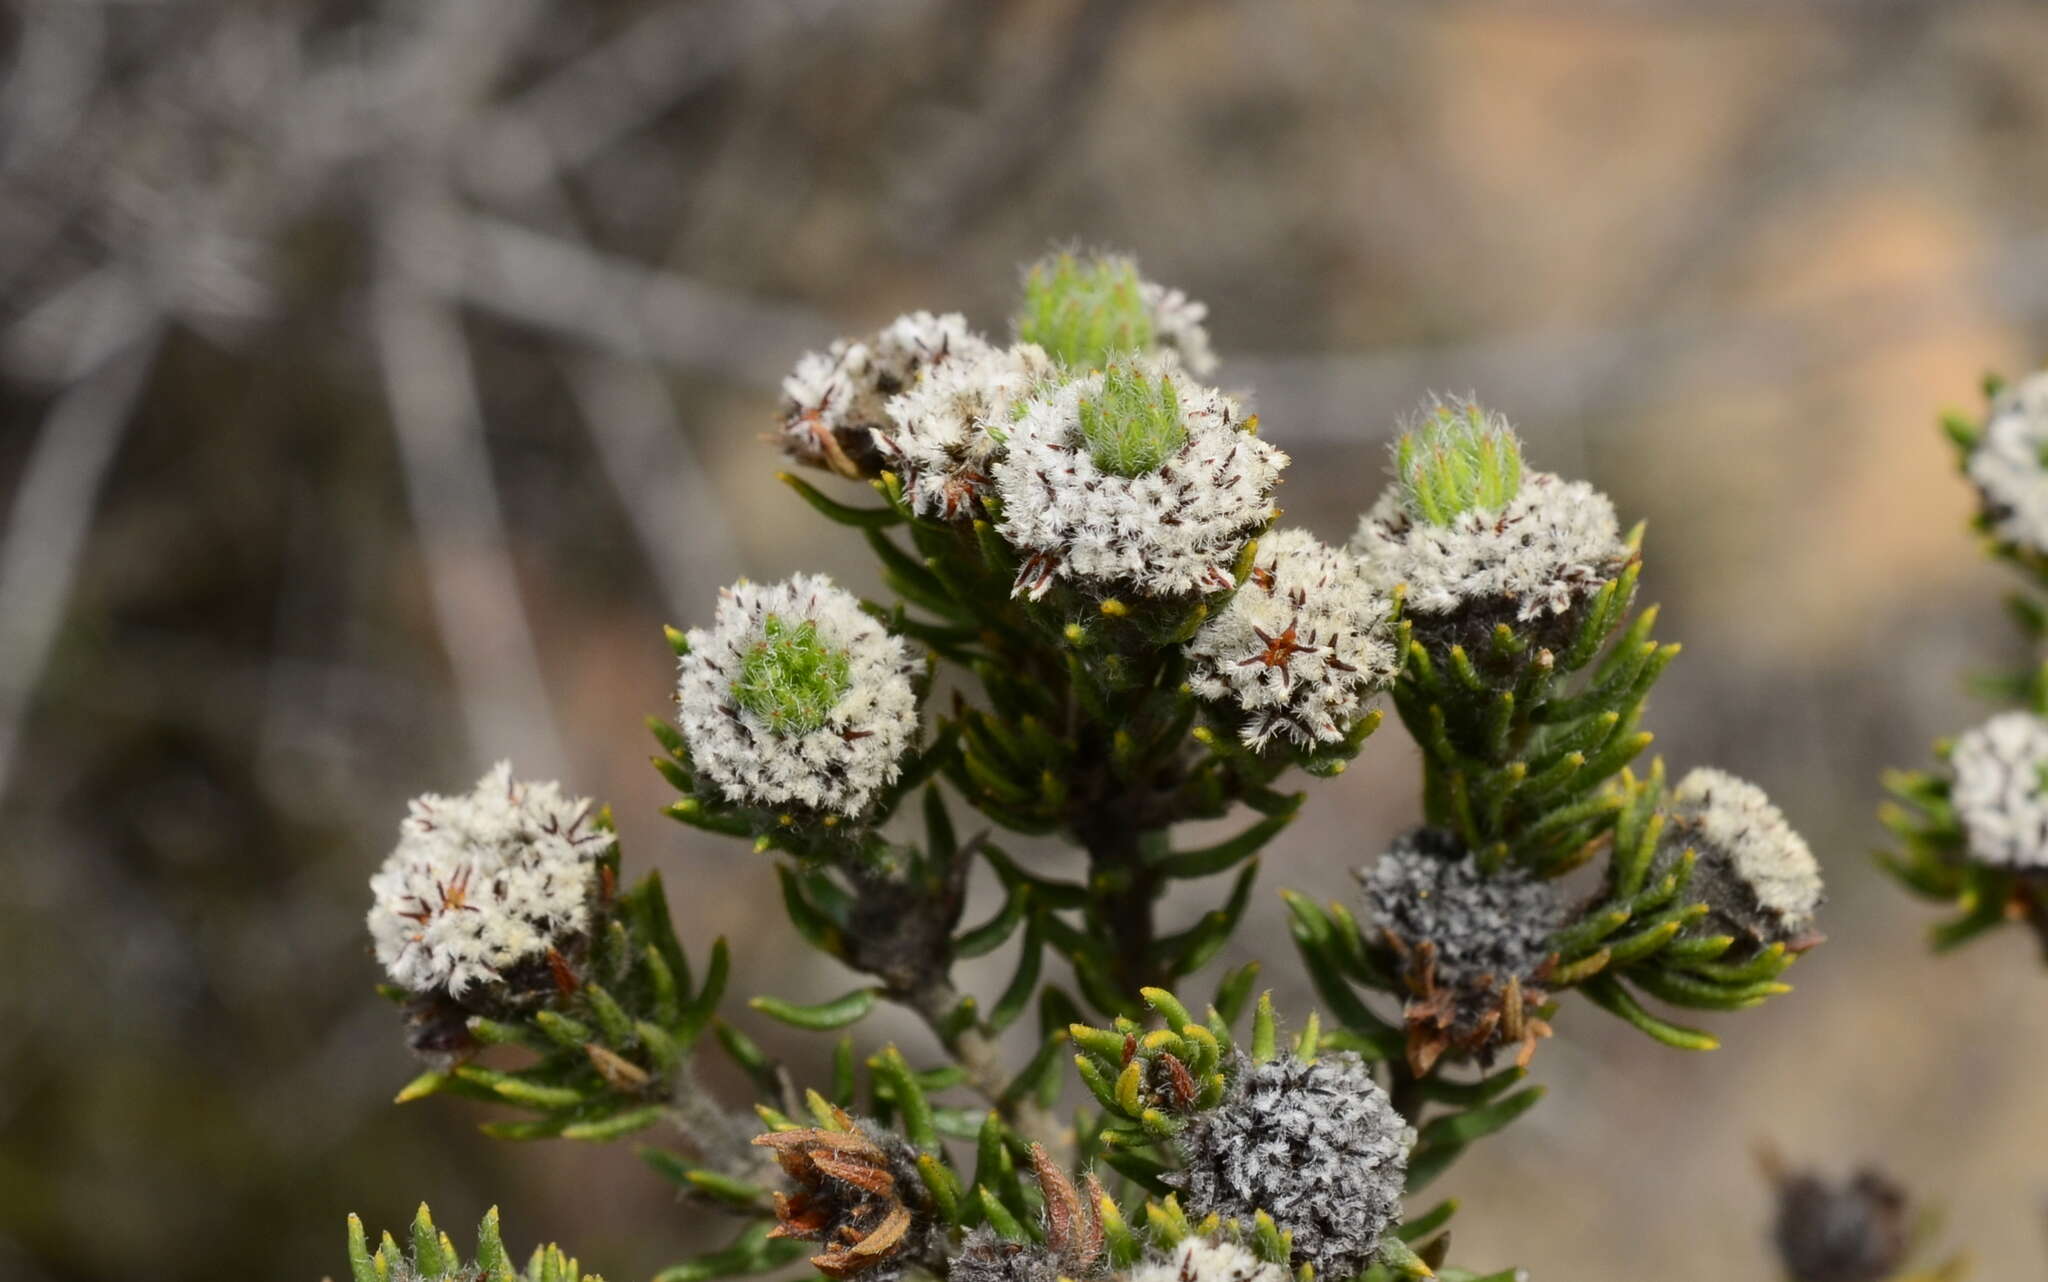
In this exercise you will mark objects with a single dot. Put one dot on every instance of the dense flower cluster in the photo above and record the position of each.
(1427, 890)
(1554, 542)
(836, 400)
(1753, 870)
(1316, 1145)
(1301, 646)
(484, 883)
(2000, 793)
(795, 697)
(1172, 531)
(949, 426)
(2008, 465)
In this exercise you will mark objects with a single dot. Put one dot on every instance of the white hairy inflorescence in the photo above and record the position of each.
(844, 747)
(1301, 646)
(2000, 794)
(834, 399)
(1177, 327)
(947, 428)
(482, 882)
(2010, 464)
(1745, 845)
(1554, 541)
(1174, 530)
(1200, 1259)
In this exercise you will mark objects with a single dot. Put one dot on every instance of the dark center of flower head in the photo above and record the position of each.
(1459, 459)
(790, 679)
(1084, 311)
(1133, 425)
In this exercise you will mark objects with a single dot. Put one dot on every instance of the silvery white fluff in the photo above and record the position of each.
(1199, 1259)
(1753, 869)
(837, 767)
(945, 430)
(1999, 795)
(1172, 532)
(1554, 541)
(2007, 464)
(1427, 889)
(834, 399)
(1301, 646)
(482, 882)
(1318, 1146)
(1177, 327)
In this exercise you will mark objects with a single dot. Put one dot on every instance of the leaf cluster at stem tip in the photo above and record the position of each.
(1461, 458)
(1135, 424)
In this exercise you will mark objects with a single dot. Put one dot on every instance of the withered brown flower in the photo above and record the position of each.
(856, 1192)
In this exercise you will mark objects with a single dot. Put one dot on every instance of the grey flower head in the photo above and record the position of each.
(1426, 889)
(1857, 1231)
(1755, 873)
(1475, 947)
(2000, 793)
(1318, 1146)
(2007, 465)
(1199, 1259)
(985, 1256)
(835, 400)
(1530, 563)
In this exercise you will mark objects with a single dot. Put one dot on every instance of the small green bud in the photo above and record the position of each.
(1461, 458)
(790, 680)
(1133, 425)
(1083, 312)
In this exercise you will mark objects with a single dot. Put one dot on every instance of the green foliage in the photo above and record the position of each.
(430, 1256)
(1084, 311)
(1135, 424)
(1460, 459)
(791, 680)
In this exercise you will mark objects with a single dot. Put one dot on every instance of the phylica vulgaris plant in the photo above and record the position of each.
(1085, 534)
(1974, 833)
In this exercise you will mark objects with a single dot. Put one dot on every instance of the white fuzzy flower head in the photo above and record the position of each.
(1755, 872)
(1177, 327)
(1472, 533)
(835, 400)
(1199, 1259)
(1318, 1146)
(1301, 647)
(482, 884)
(795, 697)
(2000, 793)
(2010, 465)
(949, 426)
(1136, 479)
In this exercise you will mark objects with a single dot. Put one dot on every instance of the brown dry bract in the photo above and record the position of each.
(846, 1198)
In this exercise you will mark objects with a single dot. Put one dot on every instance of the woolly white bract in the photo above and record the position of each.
(1318, 1146)
(1552, 543)
(837, 767)
(834, 399)
(1730, 822)
(1201, 1260)
(482, 882)
(1999, 794)
(2007, 465)
(947, 429)
(1301, 646)
(1177, 327)
(1175, 531)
